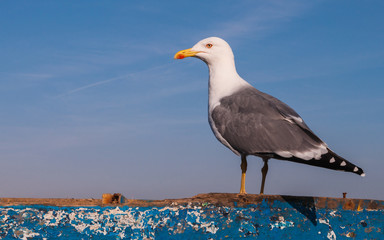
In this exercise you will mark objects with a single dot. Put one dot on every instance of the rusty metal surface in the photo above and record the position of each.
(222, 199)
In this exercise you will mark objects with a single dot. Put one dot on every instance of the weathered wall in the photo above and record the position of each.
(210, 216)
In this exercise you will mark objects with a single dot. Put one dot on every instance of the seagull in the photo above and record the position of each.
(251, 122)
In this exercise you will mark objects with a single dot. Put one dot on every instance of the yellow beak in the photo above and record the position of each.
(185, 53)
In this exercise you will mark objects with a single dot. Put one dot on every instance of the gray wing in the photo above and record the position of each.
(255, 123)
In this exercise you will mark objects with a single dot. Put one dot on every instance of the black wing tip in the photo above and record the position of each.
(328, 160)
(347, 166)
(358, 171)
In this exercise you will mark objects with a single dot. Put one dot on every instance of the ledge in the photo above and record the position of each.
(218, 199)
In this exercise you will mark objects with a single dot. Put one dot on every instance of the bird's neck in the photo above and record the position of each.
(223, 81)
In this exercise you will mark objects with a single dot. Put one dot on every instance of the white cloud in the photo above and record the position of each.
(132, 76)
(260, 18)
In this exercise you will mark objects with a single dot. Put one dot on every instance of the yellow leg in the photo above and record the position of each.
(243, 171)
(264, 172)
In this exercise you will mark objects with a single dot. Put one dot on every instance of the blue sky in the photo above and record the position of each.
(92, 101)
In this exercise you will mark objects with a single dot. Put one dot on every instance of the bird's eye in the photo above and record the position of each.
(208, 45)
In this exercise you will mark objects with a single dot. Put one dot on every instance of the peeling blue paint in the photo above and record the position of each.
(266, 220)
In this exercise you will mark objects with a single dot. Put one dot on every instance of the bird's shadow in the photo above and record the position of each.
(304, 205)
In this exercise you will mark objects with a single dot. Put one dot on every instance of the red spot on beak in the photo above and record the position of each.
(180, 56)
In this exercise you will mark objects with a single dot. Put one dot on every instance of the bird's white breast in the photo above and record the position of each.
(222, 84)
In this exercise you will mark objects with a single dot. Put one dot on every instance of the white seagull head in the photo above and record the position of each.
(211, 50)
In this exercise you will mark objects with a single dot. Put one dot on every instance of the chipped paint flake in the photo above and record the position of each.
(331, 234)
(281, 223)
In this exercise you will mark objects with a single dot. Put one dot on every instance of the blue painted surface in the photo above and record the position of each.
(265, 220)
